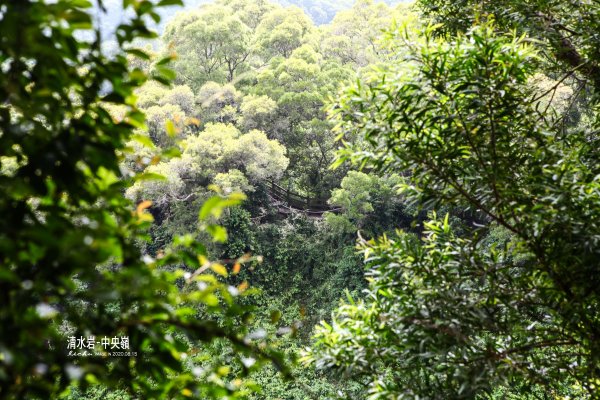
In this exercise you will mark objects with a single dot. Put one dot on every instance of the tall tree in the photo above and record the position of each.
(282, 30)
(212, 43)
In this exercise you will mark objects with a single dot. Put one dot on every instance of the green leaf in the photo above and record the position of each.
(163, 3)
(219, 269)
(170, 128)
(171, 152)
(150, 176)
(143, 140)
(139, 53)
(164, 61)
(218, 233)
(212, 206)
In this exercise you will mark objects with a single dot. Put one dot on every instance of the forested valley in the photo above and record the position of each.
(305, 199)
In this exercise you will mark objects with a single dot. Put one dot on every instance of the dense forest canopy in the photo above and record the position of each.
(320, 12)
(299, 199)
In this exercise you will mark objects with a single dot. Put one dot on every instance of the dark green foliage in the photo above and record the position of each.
(451, 317)
(241, 239)
(566, 30)
(305, 271)
(304, 268)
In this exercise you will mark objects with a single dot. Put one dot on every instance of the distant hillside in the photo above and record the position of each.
(323, 11)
